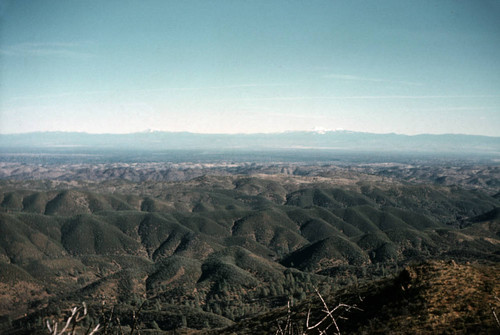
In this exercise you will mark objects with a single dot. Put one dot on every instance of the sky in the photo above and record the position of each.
(216, 66)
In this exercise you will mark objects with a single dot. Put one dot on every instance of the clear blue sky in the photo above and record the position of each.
(250, 66)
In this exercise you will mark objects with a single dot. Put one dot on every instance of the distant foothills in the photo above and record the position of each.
(339, 140)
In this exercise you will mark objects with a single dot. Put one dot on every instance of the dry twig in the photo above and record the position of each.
(77, 315)
(322, 325)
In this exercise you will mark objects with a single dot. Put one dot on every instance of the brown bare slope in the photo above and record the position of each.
(435, 297)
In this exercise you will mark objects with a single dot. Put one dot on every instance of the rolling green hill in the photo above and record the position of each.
(224, 248)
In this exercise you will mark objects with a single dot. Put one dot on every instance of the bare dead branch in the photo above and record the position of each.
(328, 321)
(77, 315)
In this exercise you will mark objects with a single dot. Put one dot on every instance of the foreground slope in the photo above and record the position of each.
(435, 297)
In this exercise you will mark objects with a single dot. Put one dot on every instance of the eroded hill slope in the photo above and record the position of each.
(224, 247)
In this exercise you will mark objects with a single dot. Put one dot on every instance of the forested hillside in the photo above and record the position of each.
(215, 250)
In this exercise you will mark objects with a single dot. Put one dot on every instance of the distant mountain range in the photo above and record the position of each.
(324, 140)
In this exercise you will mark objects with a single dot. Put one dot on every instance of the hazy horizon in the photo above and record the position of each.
(240, 67)
(318, 131)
